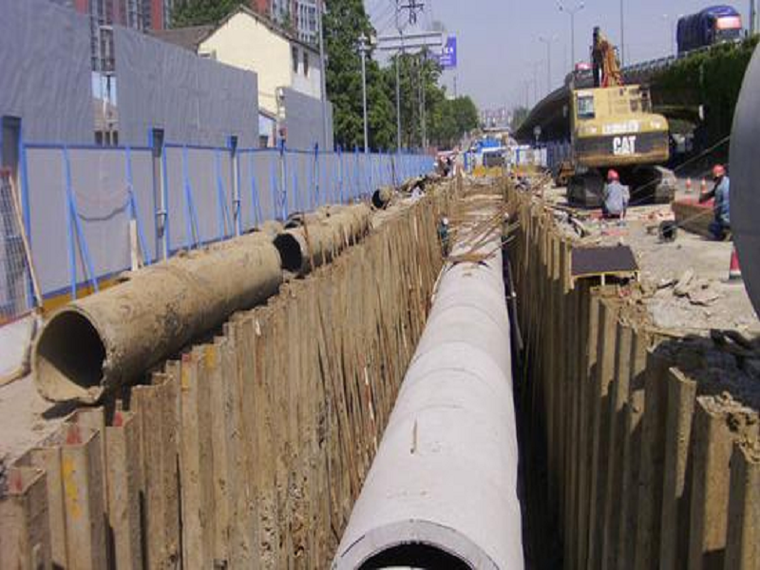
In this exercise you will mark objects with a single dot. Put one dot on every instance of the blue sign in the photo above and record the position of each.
(448, 57)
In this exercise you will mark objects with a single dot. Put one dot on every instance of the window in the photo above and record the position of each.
(586, 107)
(305, 63)
(295, 59)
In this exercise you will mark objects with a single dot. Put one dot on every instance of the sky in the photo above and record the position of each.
(499, 49)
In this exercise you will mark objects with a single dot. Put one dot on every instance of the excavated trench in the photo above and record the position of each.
(639, 447)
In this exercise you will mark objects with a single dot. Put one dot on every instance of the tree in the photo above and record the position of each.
(344, 22)
(202, 12)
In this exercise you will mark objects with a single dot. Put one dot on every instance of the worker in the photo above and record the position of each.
(615, 197)
(721, 223)
(443, 235)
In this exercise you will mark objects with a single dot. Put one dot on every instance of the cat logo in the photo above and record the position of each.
(624, 146)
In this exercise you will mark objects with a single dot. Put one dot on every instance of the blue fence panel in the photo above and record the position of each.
(82, 199)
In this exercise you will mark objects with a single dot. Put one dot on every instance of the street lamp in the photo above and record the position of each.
(622, 33)
(548, 42)
(571, 12)
(363, 49)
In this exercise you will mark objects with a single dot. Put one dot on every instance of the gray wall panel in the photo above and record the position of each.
(195, 100)
(303, 120)
(45, 73)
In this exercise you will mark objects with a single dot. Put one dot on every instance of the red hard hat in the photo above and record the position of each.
(612, 175)
(718, 171)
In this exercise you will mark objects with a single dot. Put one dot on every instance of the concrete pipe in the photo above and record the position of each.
(96, 344)
(305, 248)
(745, 180)
(442, 490)
(382, 197)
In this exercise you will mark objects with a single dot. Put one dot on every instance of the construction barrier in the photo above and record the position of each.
(249, 449)
(649, 440)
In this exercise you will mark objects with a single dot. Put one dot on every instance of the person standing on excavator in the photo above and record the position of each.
(721, 223)
(615, 197)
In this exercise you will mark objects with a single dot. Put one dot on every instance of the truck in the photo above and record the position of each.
(612, 126)
(713, 25)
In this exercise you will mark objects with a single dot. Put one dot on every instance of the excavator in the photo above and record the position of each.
(612, 126)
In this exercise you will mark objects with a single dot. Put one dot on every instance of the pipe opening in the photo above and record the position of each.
(379, 199)
(415, 555)
(69, 356)
(290, 252)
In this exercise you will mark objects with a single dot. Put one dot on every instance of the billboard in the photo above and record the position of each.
(448, 56)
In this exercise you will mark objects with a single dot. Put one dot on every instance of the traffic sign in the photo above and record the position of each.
(448, 57)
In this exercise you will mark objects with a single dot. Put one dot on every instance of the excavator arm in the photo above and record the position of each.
(606, 67)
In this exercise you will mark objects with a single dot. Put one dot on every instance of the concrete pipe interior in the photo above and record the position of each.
(379, 199)
(69, 356)
(290, 252)
(414, 555)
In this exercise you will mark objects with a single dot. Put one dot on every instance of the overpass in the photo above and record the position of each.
(680, 87)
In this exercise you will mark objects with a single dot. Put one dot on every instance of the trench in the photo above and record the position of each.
(638, 446)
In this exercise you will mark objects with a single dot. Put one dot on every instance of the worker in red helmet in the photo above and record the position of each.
(721, 224)
(615, 197)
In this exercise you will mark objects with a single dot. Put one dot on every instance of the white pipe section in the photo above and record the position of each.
(745, 180)
(445, 475)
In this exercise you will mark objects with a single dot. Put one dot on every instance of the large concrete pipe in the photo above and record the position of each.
(100, 342)
(745, 180)
(382, 197)
(442, 490)
(315, 242)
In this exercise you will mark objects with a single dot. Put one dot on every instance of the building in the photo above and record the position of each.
(298, 15)
(248, 40)
(136, 14)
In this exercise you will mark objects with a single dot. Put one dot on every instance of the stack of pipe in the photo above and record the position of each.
(442, 490)
(319, 238)
(100, 342)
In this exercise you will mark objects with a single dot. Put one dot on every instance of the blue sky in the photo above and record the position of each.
(498, 40)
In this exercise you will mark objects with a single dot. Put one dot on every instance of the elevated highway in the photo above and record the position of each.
(680, 87)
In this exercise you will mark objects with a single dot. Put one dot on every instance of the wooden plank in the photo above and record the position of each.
(674, 542)
(169, 408)
(48, 459)
(83, 498)
(220, 415)
(743, 536)
(122, 442)
(633, 413)
(197, 534)
(146, 406)
(619, 392)
(651, 468)
(24, 521)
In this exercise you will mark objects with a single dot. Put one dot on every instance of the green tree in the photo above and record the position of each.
(202, 12)
(344, 22)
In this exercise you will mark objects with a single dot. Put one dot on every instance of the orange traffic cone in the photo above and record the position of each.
(688, 185)
(734, 271)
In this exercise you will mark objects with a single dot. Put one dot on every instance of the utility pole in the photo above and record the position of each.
(752, 17)
(572, 12)
(548, 42)
(423, 117)
(398, 103)
(622, 33)
(398, 83)
(363, 50)
(323, 76)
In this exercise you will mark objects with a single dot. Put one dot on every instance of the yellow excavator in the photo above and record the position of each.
(612, 126)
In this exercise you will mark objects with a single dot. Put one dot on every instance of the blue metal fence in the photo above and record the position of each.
(88, 208)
